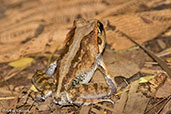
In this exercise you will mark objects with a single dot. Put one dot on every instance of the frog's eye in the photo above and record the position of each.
(101, 28)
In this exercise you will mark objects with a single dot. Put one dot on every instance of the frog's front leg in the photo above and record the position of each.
(84, 94)
(102, 67)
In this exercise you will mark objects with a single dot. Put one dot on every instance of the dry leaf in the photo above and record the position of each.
(120, 104)
(153, 84)
(167, 108)
(21, 62)
(85, 110)
(136, 103)
(145, 79)
(134, 26)
(165, 90)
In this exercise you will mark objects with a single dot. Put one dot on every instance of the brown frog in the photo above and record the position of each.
(67, 79)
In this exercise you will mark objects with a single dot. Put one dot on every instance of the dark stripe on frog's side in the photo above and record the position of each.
(76, 62)
(70, 39)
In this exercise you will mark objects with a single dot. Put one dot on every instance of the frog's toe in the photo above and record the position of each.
(40, 99)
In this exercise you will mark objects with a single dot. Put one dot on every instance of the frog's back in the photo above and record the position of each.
(78, 55)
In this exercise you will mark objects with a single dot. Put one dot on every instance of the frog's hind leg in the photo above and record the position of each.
(44, 84)
(110, 82)
(90, 93)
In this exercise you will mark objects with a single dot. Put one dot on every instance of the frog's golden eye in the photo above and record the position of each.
(101, 28)
(99, 40)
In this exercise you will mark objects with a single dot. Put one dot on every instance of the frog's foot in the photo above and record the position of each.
(40, 97)
(90, 93)
(62, 99)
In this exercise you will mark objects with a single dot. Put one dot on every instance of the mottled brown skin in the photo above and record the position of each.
(83, 57)
(44, 84)
(80, 57)
(89, 93)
